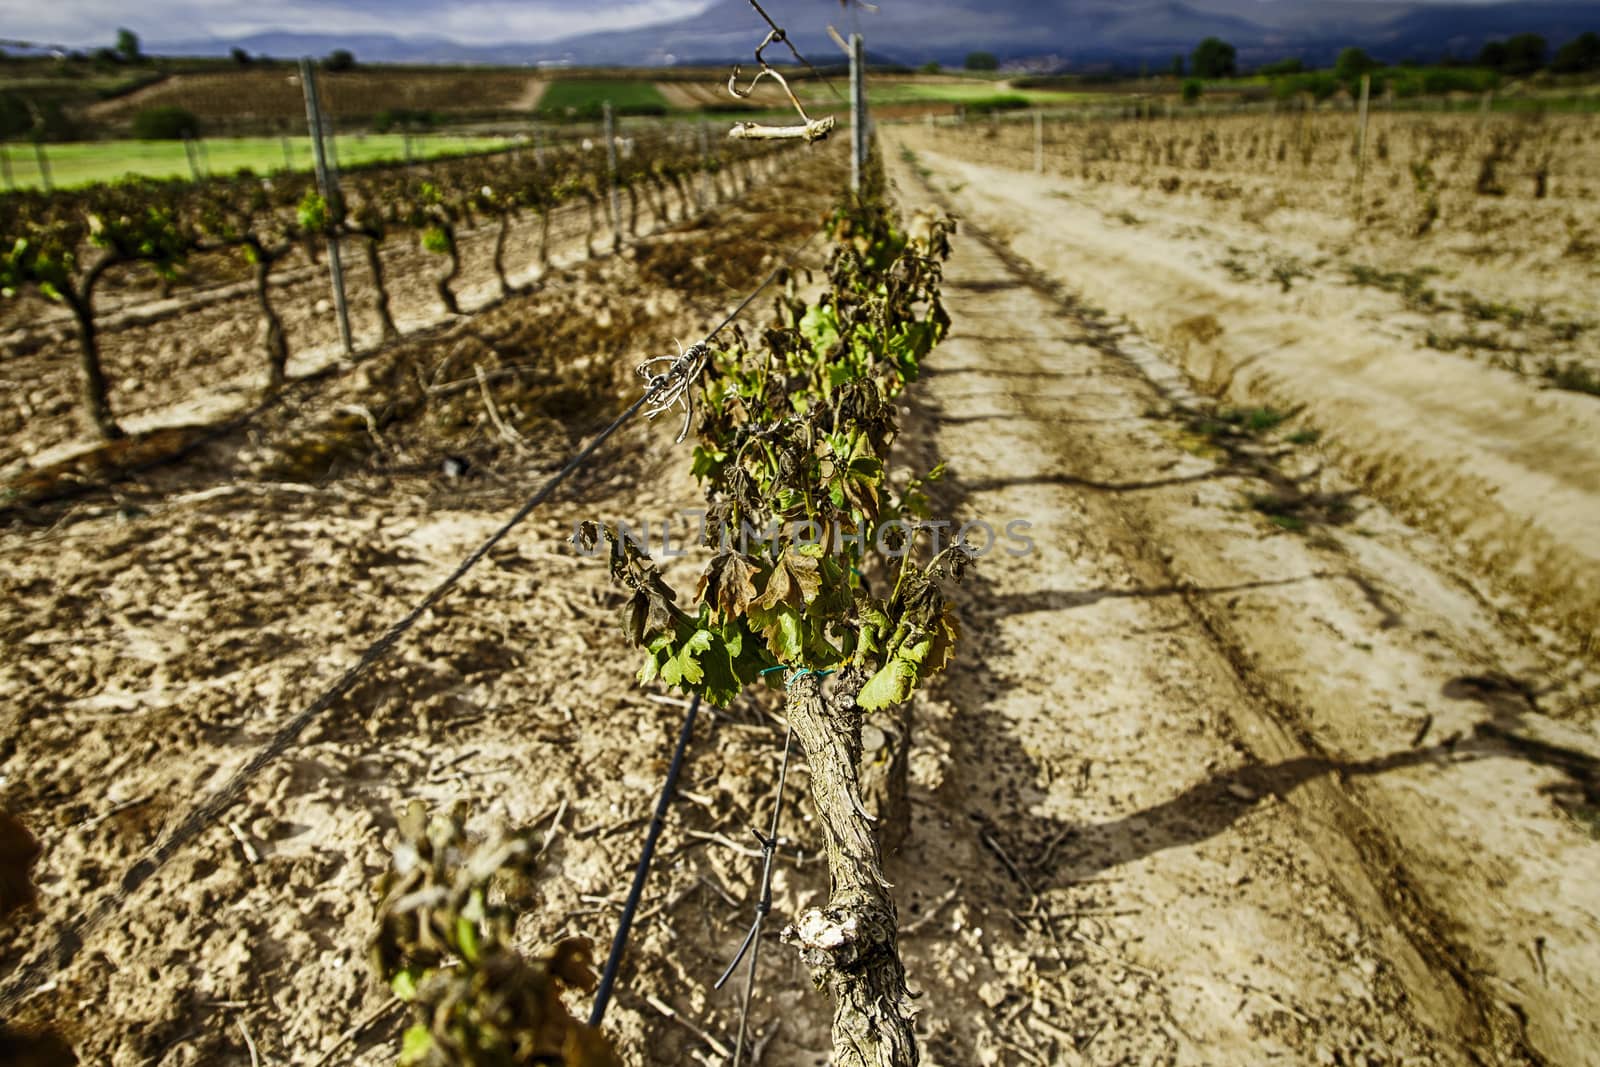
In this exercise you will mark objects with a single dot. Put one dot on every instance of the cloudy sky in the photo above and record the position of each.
(93, 22)
(80, 22)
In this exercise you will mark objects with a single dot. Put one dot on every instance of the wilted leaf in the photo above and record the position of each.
(572, 962)
(728, 585)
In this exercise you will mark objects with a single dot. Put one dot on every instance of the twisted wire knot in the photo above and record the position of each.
(667, 389)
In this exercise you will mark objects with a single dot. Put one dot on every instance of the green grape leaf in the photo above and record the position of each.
(820, 327)
(404, 984)
(707, 462)
(467, 938)
(415, 1045)
(684, 665)
(891, 685)
(786, 637)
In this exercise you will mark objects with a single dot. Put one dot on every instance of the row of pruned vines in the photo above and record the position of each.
(62, 244)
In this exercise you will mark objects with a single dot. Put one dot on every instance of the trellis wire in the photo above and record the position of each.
(752, 940)
(782, 35)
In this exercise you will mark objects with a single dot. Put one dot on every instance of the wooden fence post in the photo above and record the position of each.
(189, 154)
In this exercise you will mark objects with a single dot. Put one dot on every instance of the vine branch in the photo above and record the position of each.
(810, 130)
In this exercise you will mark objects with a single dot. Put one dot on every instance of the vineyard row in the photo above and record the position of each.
(62, 245)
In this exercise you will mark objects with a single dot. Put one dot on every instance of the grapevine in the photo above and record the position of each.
(796, 429)
(445, 946)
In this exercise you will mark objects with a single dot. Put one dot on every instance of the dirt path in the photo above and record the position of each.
(532, 93)
(1295, 788)
(1508, 469)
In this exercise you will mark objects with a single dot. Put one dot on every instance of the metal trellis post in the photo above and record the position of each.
(613, 196)
(327, 185)
(705, 178)
(858, 112)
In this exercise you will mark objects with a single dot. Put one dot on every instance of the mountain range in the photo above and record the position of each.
(1067, 34)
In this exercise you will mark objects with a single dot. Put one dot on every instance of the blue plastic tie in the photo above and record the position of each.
(798, 674)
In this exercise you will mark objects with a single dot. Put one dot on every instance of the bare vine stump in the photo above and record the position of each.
(851, 944)
(442, 283)
(544, 240)
(96, 402)
(381, 293)
(633, 210)
(500, 234)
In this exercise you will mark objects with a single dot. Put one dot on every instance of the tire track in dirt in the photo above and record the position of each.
(1200, 757)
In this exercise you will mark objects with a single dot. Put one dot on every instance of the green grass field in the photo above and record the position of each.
(85, 162)
(950, 93)
(975, 94)
(584, 97)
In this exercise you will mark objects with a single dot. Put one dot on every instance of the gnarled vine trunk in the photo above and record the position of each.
(452, 252)
(370, 245)
(633, 210)
(500, 236)
(544, 239)
(277, 345)
(655, 194)
(885, 770)
(594, 224)
(683, 197)
(96, 402)
(851, 944)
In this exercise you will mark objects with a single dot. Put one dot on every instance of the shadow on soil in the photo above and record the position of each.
(992, 777)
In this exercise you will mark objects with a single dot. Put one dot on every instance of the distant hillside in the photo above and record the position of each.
(1075, 32)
